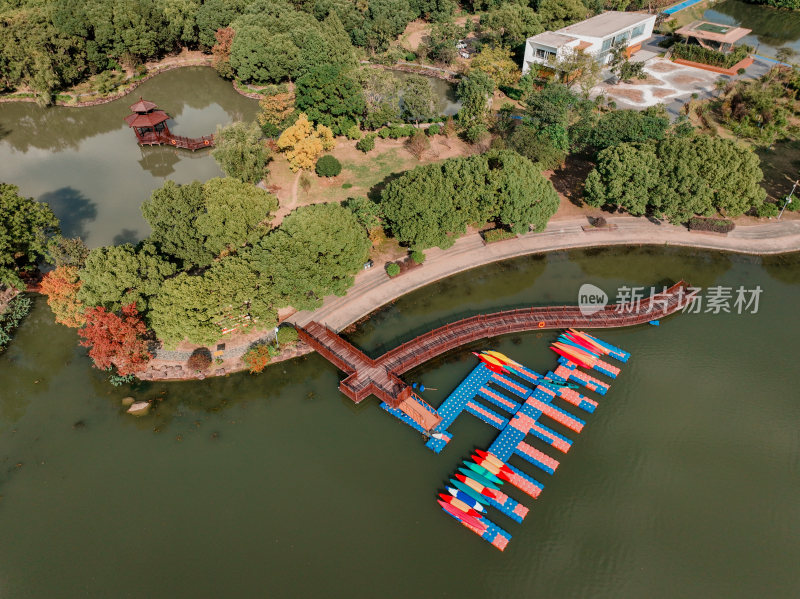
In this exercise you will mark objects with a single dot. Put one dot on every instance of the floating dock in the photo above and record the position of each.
(515, 400)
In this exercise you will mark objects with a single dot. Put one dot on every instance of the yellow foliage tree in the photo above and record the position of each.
(303, 144)
(498, 64)
(275, 109)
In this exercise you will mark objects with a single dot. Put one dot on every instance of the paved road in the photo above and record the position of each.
(373, 288)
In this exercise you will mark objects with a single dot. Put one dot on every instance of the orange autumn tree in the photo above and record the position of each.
(116, 340)
(61, 288)
(303, 143)
(222, 52)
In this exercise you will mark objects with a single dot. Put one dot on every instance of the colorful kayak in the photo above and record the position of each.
(476, 486)
(458, 504)
(498, 472)
(462, 496)
(502, 357)
(493, 459)
(582, 355)
(493, 367)
(487, 474)
(479, 479)
(570, 357)
(462, 517)
(476, 495)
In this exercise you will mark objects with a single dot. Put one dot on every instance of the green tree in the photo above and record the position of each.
(198, 307)
(172, 212)
(621, 126)
(419, 103)
(526, 199)
(213, 15)
(512, 23)
(677, 178)
(315, 252)
(382, 95)
(119, 275)
(261, 57)
(365, 210)
(441, 43)
(549, 111)
(474, 91)
(527, 142)
(26, 226)
(235, 213)
(240, 152)
(622, 67)
(556, 14)
(329, 96)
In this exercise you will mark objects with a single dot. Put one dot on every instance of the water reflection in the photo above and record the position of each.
(90, 157)
(771, 27)
(72, 208)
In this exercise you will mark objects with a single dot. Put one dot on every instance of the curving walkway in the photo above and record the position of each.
(373, 288)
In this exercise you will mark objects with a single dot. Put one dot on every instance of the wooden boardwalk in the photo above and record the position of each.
(153, 138)
(380, 376)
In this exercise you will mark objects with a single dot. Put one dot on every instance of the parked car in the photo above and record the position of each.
(368, 264)
(461, 45)
(463, 54)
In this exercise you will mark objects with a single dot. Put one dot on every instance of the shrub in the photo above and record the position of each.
(418, 257)
(767, 210)
(433, 130)
(346, 185)
(715, 225)
(392, 269)
(353, 132)
(512, 92)
(714, 58)
(497, 235)
(600, 221)
(328, 166)
(366, 144)
(287, 335)
(257, 357)
(199, 360)
(410, 57)
(15, 311)
(384, 133)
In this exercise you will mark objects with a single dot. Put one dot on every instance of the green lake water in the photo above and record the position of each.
(684, 482)
(771, 28)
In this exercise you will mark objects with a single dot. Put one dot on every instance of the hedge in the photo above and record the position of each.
(366, 144)
(497, 235)
(714, 58)
(512, 92)
(715, 225)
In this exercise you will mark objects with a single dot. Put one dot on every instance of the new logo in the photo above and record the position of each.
(591, 299)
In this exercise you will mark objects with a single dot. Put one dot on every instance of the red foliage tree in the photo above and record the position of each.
(116, 340)
(61, 288)
(222, 51)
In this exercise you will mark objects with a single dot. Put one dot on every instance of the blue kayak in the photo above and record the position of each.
(461, 496)
(471, 492)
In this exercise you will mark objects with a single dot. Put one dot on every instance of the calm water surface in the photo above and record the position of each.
(772, 28)
(684, 483)
(86, 164)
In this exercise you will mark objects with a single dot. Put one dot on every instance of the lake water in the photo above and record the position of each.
(86, 164)
(772, 28)
(684, 482)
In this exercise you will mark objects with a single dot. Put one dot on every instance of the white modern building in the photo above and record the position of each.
(594, 36)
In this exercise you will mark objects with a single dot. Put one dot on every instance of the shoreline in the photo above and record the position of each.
(373, 289)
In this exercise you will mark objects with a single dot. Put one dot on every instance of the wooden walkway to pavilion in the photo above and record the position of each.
(380, 376)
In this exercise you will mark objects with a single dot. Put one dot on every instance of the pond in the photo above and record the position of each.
(86, 164)
(445, 93)
(772, 28)
(684, 482)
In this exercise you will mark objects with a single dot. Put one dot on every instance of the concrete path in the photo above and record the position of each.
(373, 288)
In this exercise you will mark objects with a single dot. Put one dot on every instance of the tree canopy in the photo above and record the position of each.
(240, 152)
(315, 252)
(474, 91)
(330, 96)
(26, 226)
(430, 204)
(677, 178)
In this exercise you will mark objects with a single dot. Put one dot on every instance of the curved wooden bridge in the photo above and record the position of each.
(380, 376)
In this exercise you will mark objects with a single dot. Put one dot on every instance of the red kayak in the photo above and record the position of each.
(493, 367)
(462, 517)
(476, 486)
(494, 460)
(459, 505)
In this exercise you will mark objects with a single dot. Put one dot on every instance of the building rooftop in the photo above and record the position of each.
(606, 24)
(552, 39)
(715, 32)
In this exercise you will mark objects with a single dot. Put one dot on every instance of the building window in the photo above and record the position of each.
(637, 31)
(606, 45)
(540, 53)
(622, 37)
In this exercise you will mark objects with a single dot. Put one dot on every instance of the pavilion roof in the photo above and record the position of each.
(715, 32)
(143, 106)
(150, 119)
